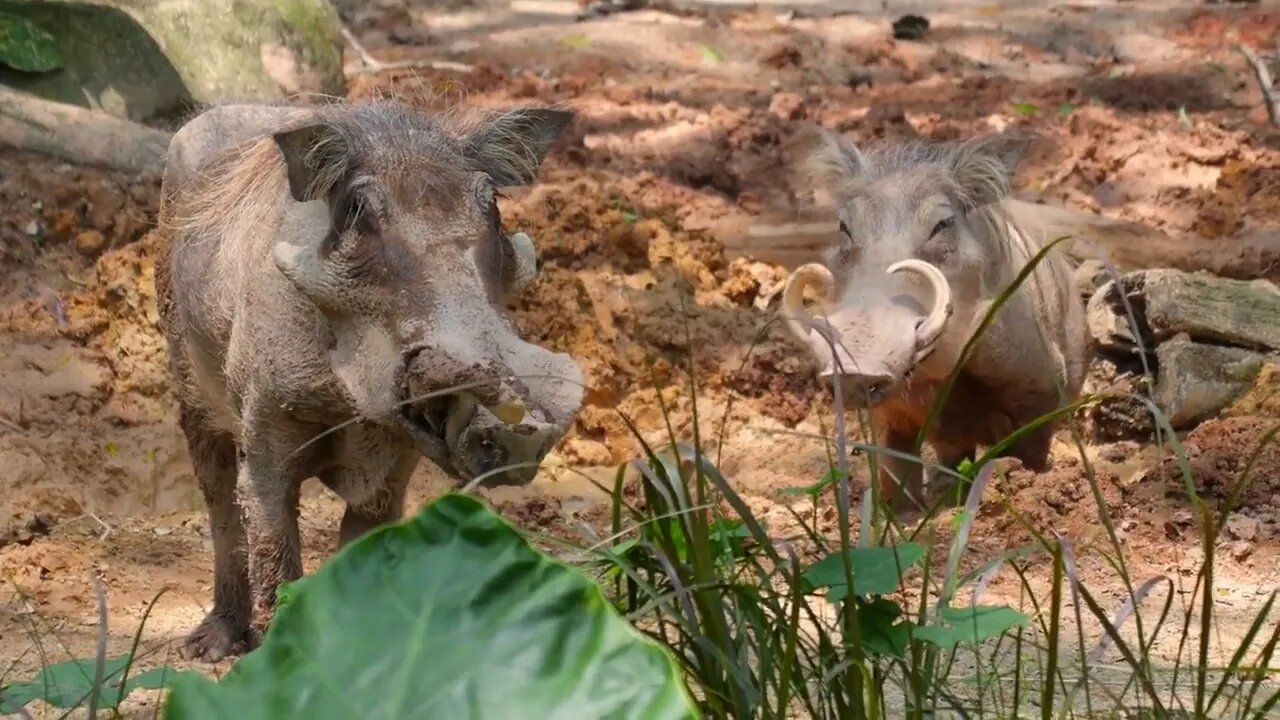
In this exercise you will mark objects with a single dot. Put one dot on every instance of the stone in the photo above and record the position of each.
(1242, 527)
(142, 60)
(1090, 276)
(1112, 313)
(1195, 381)
(90, 242)
(1261, 400)
(1244, 313)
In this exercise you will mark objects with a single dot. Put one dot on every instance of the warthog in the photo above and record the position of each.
(925, 248)
(337, 263)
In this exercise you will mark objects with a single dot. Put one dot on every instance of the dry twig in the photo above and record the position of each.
(1264, 80)
(374, 65)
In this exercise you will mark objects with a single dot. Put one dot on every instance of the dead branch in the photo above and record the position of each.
(1264, 81)
(791, 240)
(81, 136)
(370, 64)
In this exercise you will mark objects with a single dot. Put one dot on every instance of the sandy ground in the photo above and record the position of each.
(684, 119)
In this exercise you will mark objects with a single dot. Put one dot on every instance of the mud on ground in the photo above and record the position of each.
(1145, 114)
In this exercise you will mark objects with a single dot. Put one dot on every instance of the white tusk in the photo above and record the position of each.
(929, 329)
(798, 317)
(526, 262)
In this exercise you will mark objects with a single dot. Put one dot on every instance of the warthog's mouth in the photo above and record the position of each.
(427, 424)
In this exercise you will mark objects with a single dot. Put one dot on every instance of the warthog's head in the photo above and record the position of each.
(396, 237)
(909, 253)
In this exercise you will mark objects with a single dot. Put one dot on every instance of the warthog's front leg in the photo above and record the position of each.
(224, 630)
(1033, 448)
(901, 479)
(950, 455)
(269, 490)
(385, 504)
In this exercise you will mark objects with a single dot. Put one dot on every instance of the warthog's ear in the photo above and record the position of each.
(984, 166)
(312, 159)
(511, 146)
(828, 157)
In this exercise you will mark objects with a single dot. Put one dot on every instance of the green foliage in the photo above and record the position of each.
(970, 625)
(26, 46)
(450, 614)
(876, 570)
(68, 684)
(1026, 109)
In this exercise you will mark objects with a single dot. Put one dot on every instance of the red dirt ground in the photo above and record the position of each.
(1145, 112)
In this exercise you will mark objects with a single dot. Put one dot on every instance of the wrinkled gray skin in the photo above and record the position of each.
(335, 263)
(899, 338)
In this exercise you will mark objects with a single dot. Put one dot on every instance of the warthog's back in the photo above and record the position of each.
(221, 190)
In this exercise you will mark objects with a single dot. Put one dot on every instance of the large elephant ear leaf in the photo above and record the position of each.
(26, 46)
(450, 614)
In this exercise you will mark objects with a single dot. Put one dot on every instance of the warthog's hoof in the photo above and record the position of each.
(215, 639)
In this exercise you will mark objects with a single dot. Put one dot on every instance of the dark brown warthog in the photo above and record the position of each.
(336, 263)
(925, 249)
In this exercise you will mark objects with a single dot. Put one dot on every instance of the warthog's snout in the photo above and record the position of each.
(870, 338)
(475, 418)
(867, 389)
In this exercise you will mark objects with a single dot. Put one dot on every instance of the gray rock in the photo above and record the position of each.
(1212, 309)
(1196, 381)
(139, 60)
(1113, 316)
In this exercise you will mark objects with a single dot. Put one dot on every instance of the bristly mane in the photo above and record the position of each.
(974, 173)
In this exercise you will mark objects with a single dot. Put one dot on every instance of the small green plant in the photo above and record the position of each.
(68, 685)
(746, 620)
(449, 614)
(96, 683)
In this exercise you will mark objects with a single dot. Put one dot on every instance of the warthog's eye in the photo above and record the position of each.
(359, 214)
(942, 226)
(844, 230)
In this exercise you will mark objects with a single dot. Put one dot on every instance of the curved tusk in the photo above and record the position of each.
(526, 262)
(929, 329)
(798, 317)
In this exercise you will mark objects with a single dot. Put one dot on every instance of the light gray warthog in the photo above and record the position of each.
(335, 263)
(925, 249)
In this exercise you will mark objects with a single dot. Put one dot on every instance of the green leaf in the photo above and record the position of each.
(882, 629)
(711, 54)
(817, 488)
(26, 46)
(630, 217)
(970, 625)
(1065, 108)
(1026, 109)
(450, 614)
(1216, 67)
(576, 41)
(67, 685)
(876, 570)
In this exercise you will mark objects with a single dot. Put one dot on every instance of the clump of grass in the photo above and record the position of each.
(96, 684)
(763, 633)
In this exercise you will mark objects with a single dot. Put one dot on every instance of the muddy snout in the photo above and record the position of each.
(498, 450)
(860, 389)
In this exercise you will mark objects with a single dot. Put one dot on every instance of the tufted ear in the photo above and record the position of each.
(315, 157)
(510, 147)
(984, 166)
(828, 156)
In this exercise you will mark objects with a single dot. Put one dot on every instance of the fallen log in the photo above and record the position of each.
(80, 136)
(794, 238)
